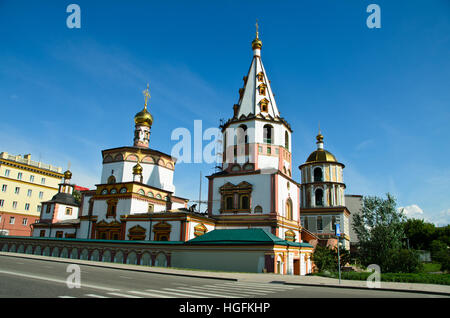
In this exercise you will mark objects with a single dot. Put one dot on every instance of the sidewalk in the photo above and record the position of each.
(252, 277)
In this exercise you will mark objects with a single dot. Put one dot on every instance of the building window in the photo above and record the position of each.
(41, 194)
(31, 178)
(319, 224)
(42, 180)
(260, 76)
(333, 223)
(286, 140)
(289, 209)
(68, 211)
(319, 197)
(48, 208)
(2, 202)
(19, 176)
(158, 196)
(111, 180)
(112, 207)
(242, 134)
(14, 204)
(24, 221)
(39, 208)
(228, 203)
(244, 202)
(267, 134)
(59, 234)
(12, 220)
(241, 194)
(29, 193)
(162, 231)
(136, 233)
(27, 206)
(7, 172)
(17, 190)
(4, 187)
(258, 209)
(264, 105)
(151, 207)
(42, 233)
(318, 175)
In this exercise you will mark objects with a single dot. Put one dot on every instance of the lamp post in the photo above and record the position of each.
(338, 235)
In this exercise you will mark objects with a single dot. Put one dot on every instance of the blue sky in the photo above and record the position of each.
(381, 95)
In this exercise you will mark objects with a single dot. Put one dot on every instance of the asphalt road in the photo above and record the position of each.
(21, 277)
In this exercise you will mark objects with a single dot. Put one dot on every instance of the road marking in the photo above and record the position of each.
(265, 285)
(206, 293)
(95, 296)
(236, 289)
(155, 293)
(124, 295)
(56, 280)
(177, 293)
(259, 287)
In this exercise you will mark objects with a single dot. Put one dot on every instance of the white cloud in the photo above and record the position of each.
(441, 218)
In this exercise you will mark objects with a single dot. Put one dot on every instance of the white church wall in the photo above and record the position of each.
(261, 184)
(284, 193)
(61, 213)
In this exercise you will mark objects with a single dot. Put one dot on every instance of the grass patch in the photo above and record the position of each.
(422, 278)
(431, 267)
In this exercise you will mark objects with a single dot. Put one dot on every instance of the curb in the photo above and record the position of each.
(366, 288)
(74, 261)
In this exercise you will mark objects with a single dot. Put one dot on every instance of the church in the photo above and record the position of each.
(254, 204)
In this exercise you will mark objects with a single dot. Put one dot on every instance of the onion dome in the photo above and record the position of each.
(137, 169)
(256, 43)
(67, 175)
(143, 118)
(321, 155)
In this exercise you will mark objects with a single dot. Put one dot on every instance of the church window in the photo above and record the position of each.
(262, 89)
(104, 191)
(150, 194)
(267, 134)
(289, 209)
(136, 233)
(158, 196)
(68, 211)
(59, 234)
(269, 150)
(162, 231)
(151, 207)
(91, 206)
(319, 223)
(115, 236)
(113, 191)
(123, 190)
(258, 209)
(260, 76)
(42, 233)
(111, 180)
(228, 203)
(141, 192)
(319, 197)
(244, 202)
(264, 105)
(112, 208)
(242, 134)
(318, 175)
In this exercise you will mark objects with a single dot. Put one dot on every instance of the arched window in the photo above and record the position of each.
(286, 140)
(111, 180)
(319, 197)
(258, 209)
(289, 209)
(267, 134)
(318, 176)
(242, 134)
(244, 202)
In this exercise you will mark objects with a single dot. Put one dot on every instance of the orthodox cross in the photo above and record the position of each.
(147, 96)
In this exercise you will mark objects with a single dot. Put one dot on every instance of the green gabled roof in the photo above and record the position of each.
(242, 236)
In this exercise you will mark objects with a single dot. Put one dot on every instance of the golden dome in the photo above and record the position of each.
(143, 118)
(321, 155)
(67, 175)
(256, 44)
(137, 169)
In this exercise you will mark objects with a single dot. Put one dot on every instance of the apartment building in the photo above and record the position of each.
(24, 184)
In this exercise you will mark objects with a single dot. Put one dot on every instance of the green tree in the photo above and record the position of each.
(77, 195)
(380, 230)
(326, 258)
(420, 233)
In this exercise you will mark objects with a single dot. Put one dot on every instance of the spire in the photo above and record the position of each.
(143, 121)
(147, 95)
(319, 139)
(256, 96)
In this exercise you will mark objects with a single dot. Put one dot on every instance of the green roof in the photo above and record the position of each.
(253, 236)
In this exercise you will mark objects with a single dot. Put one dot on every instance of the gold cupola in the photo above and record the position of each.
(137, 169)
(256, 43)
(67, 175)
(320, 155)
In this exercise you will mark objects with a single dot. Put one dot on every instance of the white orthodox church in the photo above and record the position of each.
(252, 200)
